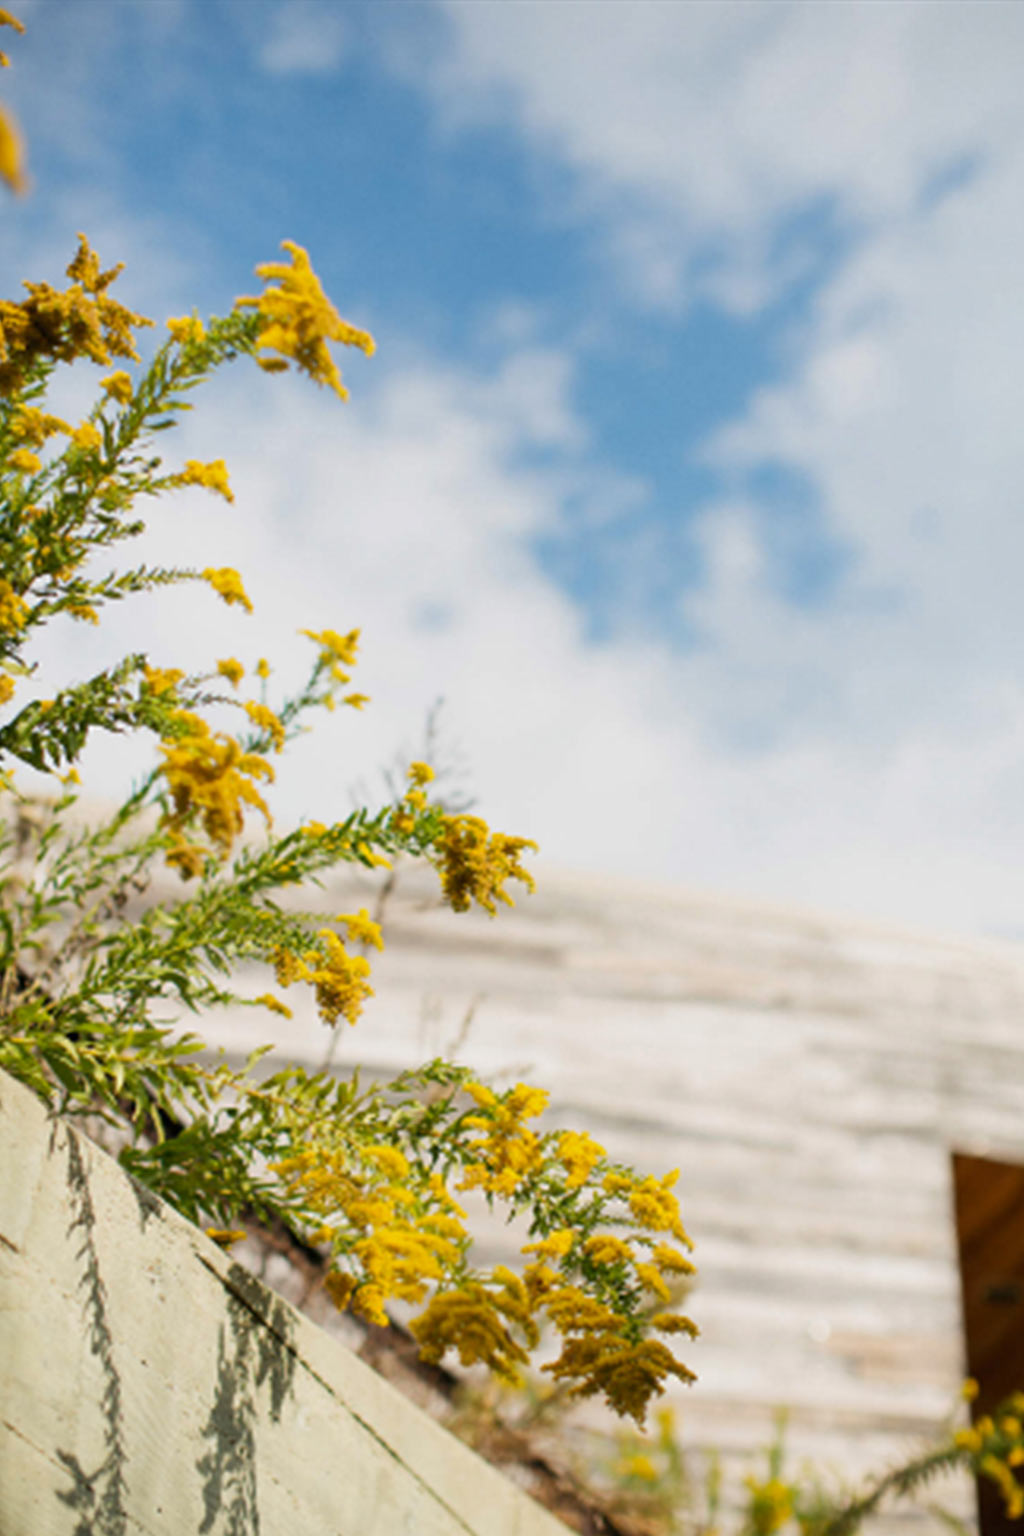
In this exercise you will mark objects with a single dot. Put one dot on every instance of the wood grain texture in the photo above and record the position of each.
(810, 1076)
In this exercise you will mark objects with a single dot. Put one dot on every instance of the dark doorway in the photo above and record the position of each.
(989, 1204)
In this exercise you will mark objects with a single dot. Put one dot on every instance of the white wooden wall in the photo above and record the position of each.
(809, 1075)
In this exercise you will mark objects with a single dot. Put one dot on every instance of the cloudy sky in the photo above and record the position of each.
(690, 467)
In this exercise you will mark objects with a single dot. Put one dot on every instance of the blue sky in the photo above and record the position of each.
(689, 468)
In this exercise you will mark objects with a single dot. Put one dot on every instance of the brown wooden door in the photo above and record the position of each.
(989, 1203)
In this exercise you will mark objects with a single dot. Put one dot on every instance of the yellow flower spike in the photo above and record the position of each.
(13, 610)
(555, 1246)
(83, 321)
(650, 1278)
(33, 426)
(579, 1154)
(671, 1261)
(335, 648)
(603, 1248)
(214, 476)
(186, 331)
(162, 680)
(268, 1000)
(87, 437)
(362, 929)
(12, 151)
(232, 670)
(118, 386)
(473, 863)
(266, 720)
(83, 611)
(227, 583)
(339, 980)
(299, 320)
(24, 461)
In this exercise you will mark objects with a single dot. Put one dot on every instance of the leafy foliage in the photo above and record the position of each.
(97, 972)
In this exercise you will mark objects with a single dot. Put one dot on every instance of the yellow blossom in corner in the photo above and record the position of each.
(214, 476)
(227, 583)
(118, 386)
(232, 670)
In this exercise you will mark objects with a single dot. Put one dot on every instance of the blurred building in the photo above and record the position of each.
(812, 1078)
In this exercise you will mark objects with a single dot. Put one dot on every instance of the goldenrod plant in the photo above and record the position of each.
(97, 973)
(649, 1482)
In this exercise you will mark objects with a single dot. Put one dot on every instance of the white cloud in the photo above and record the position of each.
(699, 129)
(303, 37)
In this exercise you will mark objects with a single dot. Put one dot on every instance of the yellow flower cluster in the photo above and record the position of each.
(769, 1505)
(209, 777)
(265, 720)
(472, 1320)
(82, 321)
(227, 583)
(6, 688)
(33, 426)
(87, 437)
(187, 331)
(24, 461)
(579, 1154)
(509, 1150)
(473, 863)
(214, 476)
(340, 980)
(12, 154)
(13, 609)
(995, 1443)
(118, 386)
(232, 670)
(655, 1207)
(337, 651)
(299, 320)
(602, 1359)
(401, 1243)
(161, 680)
(362, 929)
